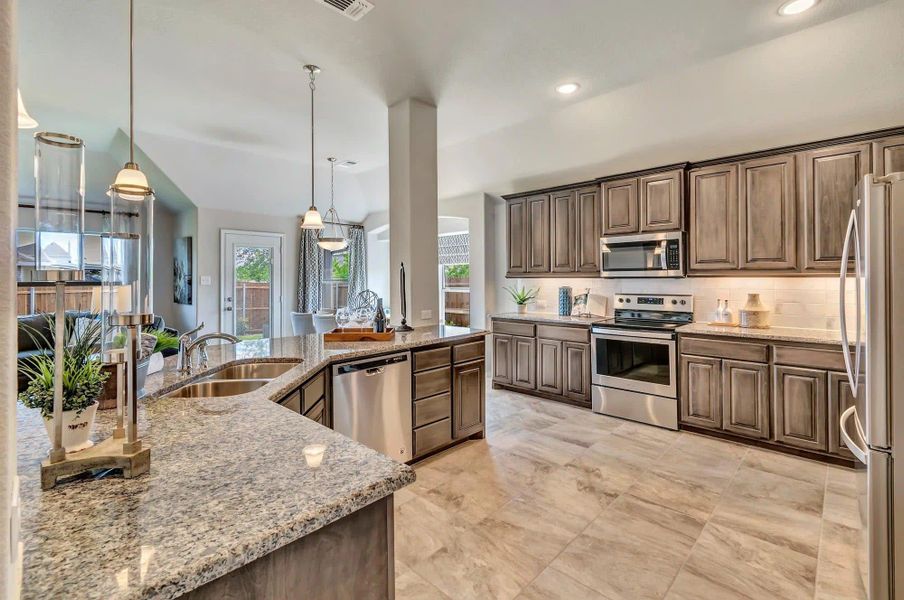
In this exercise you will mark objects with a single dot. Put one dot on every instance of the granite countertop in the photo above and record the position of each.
(228, 482)
(543, 317)
(778, 334)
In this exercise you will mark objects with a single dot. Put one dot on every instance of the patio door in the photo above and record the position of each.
(251, 284)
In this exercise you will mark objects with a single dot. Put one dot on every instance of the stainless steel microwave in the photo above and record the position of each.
(644, 255)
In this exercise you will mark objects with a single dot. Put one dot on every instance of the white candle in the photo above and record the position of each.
(313, 454)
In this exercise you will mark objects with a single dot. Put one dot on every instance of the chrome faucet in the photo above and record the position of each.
(201, 345)
(184, 340)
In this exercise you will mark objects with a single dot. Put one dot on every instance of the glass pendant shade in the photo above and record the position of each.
(312, 219)
(59, 205)
(25, 120)
(332, 236)
(131, 183)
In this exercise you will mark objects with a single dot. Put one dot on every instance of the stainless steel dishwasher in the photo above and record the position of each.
(372, 403)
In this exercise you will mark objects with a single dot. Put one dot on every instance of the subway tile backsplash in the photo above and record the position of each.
(808, 302)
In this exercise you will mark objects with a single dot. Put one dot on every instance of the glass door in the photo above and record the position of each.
(251, 294)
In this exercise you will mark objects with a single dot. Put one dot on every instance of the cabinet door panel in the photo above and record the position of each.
(829, 180)
(620, 207)
(840, 399)
(745, 398)
(467, 399)
(516, 228)
(661, 201)
(714, 218)
(549, 366)
(502, 359)
(576, 371)
(888, 156)
(537, 234)
(587, 223)
(767, 212)
(524, 362)
(701, 401)
(561, 233)
(799, 404)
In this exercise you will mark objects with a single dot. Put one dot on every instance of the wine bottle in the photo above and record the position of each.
(379, 317)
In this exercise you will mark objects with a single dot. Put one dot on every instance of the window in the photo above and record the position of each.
(455, 279)
(335, 279)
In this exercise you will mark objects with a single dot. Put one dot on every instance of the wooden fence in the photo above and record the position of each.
(43, 299)
(252, 307)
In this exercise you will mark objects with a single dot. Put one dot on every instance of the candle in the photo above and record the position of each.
(313, 454)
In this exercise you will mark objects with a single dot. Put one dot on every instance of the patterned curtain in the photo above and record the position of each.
(357, 261)
(310, 272)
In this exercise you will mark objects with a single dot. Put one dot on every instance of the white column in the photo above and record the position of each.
(412, 210)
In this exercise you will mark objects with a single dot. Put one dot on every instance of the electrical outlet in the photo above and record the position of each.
(426, 314)
(205, 280)
(541, 304)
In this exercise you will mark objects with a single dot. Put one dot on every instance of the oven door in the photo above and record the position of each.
(645, 255)
(637, 361)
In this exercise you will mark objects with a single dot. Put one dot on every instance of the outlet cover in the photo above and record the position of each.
(426, 314)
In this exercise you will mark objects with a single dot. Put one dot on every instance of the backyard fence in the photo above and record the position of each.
(252, 308)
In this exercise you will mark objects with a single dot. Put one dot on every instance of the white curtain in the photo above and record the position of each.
(357, 261)
(310, 272)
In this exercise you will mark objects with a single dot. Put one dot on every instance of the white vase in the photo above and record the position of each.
(522, 308)
(754, 314)
(76, 429)
(155, 362)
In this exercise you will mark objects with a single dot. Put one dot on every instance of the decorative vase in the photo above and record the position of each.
(76, 429)
(565, 301)
(754, 314)
(155, 362)
(522, 308)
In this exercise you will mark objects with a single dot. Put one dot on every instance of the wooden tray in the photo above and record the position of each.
(358, 334)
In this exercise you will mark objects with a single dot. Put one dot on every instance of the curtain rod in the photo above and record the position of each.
(93, 211)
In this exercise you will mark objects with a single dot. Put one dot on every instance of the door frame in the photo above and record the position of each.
(278, 273)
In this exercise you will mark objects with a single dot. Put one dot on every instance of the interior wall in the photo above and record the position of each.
(376, 229)
(164, 231)
(207, 250)
(184, 316)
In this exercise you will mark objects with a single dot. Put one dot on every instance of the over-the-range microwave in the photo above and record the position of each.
(644, 255)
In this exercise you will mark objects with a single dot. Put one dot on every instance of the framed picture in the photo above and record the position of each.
(182, 261)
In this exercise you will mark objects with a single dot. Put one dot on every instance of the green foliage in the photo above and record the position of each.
(457, 271)
(252, 264)
(83, 378)
(339, 265)
(522, 296)
(165, 340)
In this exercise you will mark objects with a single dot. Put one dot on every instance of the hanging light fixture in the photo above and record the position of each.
(312, 218)
(332, 237)
(25, 120)
(131, 183)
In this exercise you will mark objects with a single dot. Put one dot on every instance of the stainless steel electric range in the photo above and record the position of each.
(635, 358)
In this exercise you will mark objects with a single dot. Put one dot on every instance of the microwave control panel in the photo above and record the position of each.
(672, 255)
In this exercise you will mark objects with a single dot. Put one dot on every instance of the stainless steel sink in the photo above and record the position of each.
(217, 388)
(253, 371)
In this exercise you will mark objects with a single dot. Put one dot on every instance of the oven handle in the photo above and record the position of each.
(619, 334)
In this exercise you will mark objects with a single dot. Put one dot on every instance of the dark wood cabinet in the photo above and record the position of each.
(537, 259)
(745, 398)
(576, 371)
(800, 405)
(662, 201)
(516, 228)
(701, 397)
(587, 226)
(524, 362)
(562, 232)
(549, 366)
(620, 207)
(767, 213)
(828, 182)
(888, 155)
(468, 383)
(713, 243)
(502, 358)
(840, 399)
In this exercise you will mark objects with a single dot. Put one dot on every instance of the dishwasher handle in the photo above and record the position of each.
(371, 366)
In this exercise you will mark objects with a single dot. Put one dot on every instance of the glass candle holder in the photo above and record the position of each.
(313, 454)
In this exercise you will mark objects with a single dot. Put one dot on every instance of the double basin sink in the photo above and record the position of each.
(233, 380)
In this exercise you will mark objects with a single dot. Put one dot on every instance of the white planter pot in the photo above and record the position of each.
(522, 308)
(76, 429)
(155, 362)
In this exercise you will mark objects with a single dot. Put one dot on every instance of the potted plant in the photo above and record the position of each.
(522, 297)
(153, 361)
(83, 382)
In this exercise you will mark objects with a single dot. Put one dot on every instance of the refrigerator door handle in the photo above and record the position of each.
(852, 233)
(856, 449)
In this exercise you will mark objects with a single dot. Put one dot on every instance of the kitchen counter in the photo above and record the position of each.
(542, 317)
(777, 334)
(228, 482)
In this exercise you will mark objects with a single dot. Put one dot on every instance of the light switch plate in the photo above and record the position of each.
(427, 314)
(205, 280)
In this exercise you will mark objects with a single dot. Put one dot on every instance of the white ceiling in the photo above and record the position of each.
(222, 103)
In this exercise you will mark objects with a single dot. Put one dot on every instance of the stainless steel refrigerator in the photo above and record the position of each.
(873, 427)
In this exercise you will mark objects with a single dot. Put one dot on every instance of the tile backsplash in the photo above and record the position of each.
(809, 302)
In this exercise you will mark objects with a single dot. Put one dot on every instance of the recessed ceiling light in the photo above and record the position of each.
(567, 88)
(795, 7)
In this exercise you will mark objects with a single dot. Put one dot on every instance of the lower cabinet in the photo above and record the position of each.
(576, 370)
(311, 399)
(502, 358)
(524, 362)
(745, 398)
(549, 366)
(841, 398)
(468, 392)
(701, 396)
(801, 407)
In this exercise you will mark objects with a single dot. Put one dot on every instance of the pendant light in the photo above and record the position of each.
(312, 218)
(332, 237)
(131, 183)
(25, 120)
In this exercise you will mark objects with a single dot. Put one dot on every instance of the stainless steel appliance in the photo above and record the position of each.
(874, 426)
(372, 403)
(644, 255)
(634, 358)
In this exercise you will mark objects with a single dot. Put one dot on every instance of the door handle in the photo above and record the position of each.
(227, 308)
(850, 234)
(855, 448)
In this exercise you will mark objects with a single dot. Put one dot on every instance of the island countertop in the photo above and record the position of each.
(228, 482)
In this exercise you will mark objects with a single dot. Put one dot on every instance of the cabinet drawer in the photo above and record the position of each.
(318, 412)
(292, 401)
(312, 391)
(514, 328)
(431, 410)
(431, 383)
(430, 359)
(565, 334)
(723, 349)
(470, 351)
(809, 357)
(431, 437)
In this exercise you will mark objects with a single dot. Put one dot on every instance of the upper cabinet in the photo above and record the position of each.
(620, 207)
(516, 226)
(714, 218)
(767, 213)
(662, 201)
(828, 191)
(888, 155)
(587, 223)
(537, 228)
(562, 231)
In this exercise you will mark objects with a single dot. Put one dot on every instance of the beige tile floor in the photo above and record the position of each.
(561, 503)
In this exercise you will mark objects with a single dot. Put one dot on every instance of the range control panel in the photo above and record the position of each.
(680, 303)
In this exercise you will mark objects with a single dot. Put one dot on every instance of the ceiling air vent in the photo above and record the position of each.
(353, 9)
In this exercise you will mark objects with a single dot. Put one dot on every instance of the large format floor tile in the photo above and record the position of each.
(559, 502)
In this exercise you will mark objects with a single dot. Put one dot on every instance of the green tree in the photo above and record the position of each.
(252, 264)
(340, 267)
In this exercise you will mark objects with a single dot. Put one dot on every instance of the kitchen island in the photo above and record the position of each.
(230, 506)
